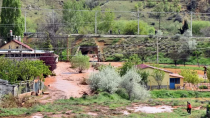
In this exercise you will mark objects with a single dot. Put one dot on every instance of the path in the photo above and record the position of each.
(66, 83)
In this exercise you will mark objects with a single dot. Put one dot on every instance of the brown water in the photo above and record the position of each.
(66, 83)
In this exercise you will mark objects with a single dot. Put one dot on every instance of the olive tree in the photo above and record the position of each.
(108, 79)
(80, 62)
(131, 83)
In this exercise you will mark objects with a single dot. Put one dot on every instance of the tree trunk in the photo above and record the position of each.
(159, 86)
(175, 63)
(184, 63)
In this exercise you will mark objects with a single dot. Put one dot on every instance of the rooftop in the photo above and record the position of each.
(143, 66)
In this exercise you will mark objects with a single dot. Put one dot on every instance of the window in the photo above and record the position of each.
(177, 80)
(16, 47)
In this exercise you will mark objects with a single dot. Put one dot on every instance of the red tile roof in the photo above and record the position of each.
(176, 75)
(24, 45)
(143, 66)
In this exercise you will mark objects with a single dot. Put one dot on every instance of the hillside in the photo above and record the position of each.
(175, 20)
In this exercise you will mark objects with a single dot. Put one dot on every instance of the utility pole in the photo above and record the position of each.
(67, 47)
(159, 22)
(96, 22)
(25, 20)
(157, 50)
(138, 22)
(191, 24)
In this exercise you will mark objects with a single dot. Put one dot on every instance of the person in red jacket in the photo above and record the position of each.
(189, 107)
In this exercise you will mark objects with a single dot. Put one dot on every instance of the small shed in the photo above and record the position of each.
(170, 79)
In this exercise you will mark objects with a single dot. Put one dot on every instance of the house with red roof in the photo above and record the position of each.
(16, 49)
(171, 80)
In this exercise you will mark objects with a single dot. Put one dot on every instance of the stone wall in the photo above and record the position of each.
(6, 88)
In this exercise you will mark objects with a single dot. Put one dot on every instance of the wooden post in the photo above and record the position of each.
(150, 85)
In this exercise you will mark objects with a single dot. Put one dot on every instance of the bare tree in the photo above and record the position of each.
(174, 55)
(52, 27)
(143, 53)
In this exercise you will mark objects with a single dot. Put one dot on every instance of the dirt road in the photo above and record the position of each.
(66, 83)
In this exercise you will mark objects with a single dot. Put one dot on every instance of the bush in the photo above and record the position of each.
(80, 62)
(198, 25)
(150, 3)
(131, 83)
(131, 28)
(203, 87)
(107, 80)
(122, 93)
(118, 57)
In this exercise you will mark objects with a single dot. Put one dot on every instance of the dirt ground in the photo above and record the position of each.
(66, 83)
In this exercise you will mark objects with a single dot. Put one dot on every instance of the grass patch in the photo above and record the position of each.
(178, 94)
(181, 67)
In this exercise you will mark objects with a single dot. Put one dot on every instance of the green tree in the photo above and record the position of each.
(11, 16)
(9, 70)
(31, 69)
(144, 75)
(131, 28)
(47, 45)
(190, 76)
(80, 62)
(132, 61)
(158, 75)
(107, 21)
(15, 71)
(208, 73)
(71, 17)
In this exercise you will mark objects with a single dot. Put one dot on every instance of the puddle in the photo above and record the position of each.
(92, 114)
(126, 113)
(155, 109)
(69, 73)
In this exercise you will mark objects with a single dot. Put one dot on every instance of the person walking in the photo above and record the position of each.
(189, 107)
(205, 69)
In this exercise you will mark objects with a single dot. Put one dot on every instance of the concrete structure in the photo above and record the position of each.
(6, 88)
(171, 80)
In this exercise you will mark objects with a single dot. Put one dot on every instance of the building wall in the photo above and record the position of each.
(6, 88)
(152, 81)
(12, 45)
(181, 82)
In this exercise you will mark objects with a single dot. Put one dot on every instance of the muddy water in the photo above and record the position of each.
(66, 83)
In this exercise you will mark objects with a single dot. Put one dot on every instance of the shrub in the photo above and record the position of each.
(150, 3)
(131, 83)
(80, 62)
(131, 28)
(122, 93)
(198, 25)
(203, 87)
(118, 57)
(107, 80)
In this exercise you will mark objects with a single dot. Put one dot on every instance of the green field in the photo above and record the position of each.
(112, 105)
